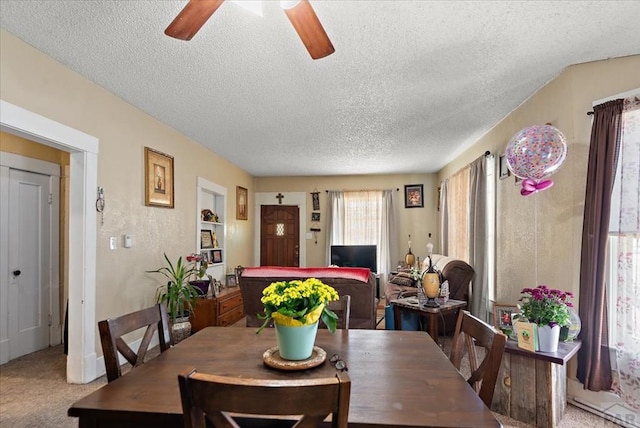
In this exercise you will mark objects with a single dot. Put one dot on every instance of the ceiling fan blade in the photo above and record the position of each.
(308, 26)
(192, 18)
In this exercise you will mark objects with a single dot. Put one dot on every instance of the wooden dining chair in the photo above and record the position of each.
(112, 330)
(469, 333)
(342, 308)
(208, 397)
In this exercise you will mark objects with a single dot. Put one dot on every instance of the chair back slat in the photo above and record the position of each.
(470, 333)
(214, 398)
(342, 308)
(112, 329)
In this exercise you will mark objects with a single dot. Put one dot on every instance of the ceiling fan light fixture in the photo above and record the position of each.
(253, 6)
(289, 4)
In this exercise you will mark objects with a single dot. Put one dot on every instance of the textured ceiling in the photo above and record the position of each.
(411, 84)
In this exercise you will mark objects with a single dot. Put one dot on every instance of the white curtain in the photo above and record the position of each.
(627, 252)
(480, 234)
(363, 218)
(444, 217)
(466, 227)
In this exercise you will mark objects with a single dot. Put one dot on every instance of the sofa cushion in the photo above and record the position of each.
(403, 279)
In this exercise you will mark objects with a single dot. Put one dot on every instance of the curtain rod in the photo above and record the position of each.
(590, 113)
(361, 190)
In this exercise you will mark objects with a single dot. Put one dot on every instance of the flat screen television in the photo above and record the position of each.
(355, 256)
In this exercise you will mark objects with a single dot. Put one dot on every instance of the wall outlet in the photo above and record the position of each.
(113, 243)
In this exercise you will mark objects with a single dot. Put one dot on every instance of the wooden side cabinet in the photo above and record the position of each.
(531, 386)
(220, 311)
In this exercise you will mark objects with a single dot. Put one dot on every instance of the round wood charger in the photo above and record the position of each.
(272, 358)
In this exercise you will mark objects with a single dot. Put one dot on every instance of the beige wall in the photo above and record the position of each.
(34, 81)
(539, 236)
(415, 221)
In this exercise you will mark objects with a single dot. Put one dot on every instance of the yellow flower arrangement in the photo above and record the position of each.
(297, 303)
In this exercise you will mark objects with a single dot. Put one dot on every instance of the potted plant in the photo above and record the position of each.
(178, 295)
(295, 307)
(202, 281)
(547, 308)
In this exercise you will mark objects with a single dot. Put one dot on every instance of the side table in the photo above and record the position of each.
(221, 311)
(532, 386)
(411, 304)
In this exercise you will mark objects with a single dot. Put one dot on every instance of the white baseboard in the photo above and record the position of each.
(604, 404)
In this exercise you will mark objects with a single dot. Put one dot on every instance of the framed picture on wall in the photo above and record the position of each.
(413, 196)
(503, 169)
(242, 203)
(315, 216)
(158, 173)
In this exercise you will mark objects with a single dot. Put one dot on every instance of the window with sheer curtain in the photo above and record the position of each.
(365, 217)
(624, 258)
(467, 227)
(458, 209)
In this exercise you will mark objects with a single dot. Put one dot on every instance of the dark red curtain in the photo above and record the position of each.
(594, 365)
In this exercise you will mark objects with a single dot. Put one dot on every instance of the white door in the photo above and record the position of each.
(29, 261)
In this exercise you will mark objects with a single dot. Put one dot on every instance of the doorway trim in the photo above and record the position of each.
(291, 198)
(83, 184)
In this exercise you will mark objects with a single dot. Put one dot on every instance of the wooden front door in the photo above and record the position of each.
(279, 235)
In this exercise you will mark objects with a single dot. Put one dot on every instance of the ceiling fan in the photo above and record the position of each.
(300, 13)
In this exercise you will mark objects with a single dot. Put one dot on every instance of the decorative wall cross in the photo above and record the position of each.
(279, 196)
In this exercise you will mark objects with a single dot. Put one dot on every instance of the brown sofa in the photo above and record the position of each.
(359, 283)
(457, 272)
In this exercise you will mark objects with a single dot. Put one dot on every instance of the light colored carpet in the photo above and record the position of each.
(34, 393)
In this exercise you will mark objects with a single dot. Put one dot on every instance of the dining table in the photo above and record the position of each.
(398, 379)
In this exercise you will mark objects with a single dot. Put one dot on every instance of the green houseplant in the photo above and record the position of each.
(177, 294)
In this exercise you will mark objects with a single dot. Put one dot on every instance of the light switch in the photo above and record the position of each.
(113, 243)
(128, 241)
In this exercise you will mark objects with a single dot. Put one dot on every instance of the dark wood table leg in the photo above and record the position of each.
(397, 318)
(433, 326)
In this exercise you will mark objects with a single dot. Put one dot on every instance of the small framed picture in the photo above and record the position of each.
(503, 168)
(205, 256)
(503, 317)
(216, 256)
(206, 239)
(158, 173)
(315, 197)
(413, 196)
(231, 280)
(242, 203)
(315, 216)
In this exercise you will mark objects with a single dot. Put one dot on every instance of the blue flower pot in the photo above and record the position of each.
(296, 343)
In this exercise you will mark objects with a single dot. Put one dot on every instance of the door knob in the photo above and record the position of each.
(16, 272)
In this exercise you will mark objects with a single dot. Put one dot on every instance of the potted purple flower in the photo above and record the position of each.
(549, 309)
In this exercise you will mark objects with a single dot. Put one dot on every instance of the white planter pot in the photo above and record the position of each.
(548, 338)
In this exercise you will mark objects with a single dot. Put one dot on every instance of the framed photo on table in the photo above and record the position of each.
(503, 316)
(158, 182)
(231, 280)
(413, 196)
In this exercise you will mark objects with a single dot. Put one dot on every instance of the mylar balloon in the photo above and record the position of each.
(536, 152)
